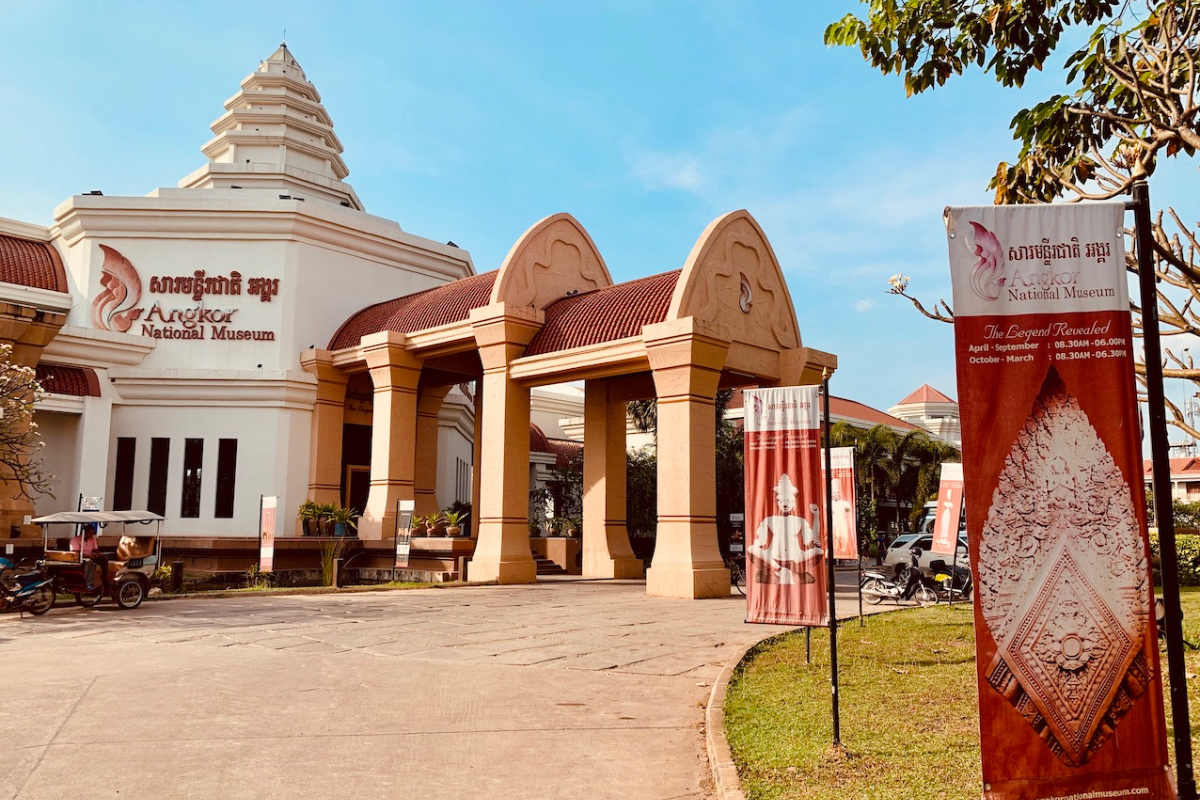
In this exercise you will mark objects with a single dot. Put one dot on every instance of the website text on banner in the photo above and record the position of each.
(266, 534)
(949, 510)
(845, 523)
(785, 563)
(1070, 695)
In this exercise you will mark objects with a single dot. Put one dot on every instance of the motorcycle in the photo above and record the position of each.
(958, 587)
(25, 590)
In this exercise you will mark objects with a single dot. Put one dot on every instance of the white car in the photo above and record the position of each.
(899, 554)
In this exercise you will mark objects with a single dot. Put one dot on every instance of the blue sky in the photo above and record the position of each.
(470, 121)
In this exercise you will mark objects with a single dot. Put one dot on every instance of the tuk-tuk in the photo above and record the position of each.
(128, 570)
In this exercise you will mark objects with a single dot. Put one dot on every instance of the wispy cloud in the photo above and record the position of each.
(864, 305)
(658, 171)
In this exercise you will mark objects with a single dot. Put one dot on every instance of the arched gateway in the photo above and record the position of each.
(551, 314)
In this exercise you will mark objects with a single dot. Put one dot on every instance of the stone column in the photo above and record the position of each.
(687, 370)
(502, 553)
(429, 403)
(606, 550)
(395, 374)
(328, 417)
(476, 459)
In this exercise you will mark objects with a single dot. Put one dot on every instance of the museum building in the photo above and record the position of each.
(255, 332)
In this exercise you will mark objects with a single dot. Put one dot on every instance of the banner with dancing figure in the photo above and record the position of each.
(1070, 693)
(845, 524)
(785, 559)
(949, 510)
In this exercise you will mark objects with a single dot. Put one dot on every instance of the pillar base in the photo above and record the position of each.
(376, 528)
(687, 582)
(621, 567)
(518, 571)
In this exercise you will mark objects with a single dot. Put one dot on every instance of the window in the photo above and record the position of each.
(156, 499)
(193, 461)
(123, 480)
(462, 482)
(226, 477)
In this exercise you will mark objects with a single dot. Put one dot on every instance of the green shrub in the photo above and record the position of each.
(1187, 547)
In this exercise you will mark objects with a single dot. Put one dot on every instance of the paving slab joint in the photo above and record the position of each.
(720, 758)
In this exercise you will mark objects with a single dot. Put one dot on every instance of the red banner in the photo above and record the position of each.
(785, 560)
(845, 527)
(1070, 695)
(949, 510)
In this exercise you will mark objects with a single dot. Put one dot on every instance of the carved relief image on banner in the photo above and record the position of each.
(1070, 694)
(845, 525)
(785, 560)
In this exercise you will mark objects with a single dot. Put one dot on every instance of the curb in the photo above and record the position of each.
(720, 757)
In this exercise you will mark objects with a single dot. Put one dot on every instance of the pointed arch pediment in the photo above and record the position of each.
(732, 280)
(555, 258)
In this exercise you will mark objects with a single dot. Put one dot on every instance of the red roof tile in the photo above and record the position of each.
(441, 305)
(605, 315)
(926, 394)
(538, 443)
(853, 411)
(68, 380)
(565, 450)
(29, 263)
(1178, 465)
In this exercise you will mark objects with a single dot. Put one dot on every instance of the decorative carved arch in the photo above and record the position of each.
(555, 258)
(732, 280)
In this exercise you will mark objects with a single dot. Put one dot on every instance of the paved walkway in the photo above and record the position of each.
(576, 689)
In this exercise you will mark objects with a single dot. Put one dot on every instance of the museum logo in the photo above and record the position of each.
(117, 306)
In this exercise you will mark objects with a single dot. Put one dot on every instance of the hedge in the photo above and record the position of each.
(1187, 545)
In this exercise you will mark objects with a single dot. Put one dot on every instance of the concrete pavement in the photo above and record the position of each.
(564, 689)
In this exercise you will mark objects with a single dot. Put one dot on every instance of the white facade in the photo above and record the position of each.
(193, 304)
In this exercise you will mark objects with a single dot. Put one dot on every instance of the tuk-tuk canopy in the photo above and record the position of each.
(97, 517)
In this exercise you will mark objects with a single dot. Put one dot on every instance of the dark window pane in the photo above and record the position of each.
(160, 452)
(193, 461)
(123, 480)
(226, 477)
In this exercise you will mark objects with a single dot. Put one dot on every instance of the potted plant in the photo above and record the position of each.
(343, 521)
(433, 523)
(324, 512)
(453, 521)
(558, 526)
(307, 514)
(574, 527)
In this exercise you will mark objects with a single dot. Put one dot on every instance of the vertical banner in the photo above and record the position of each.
(266, 534)
(949, 510)
(845, 525)
(1070, 694)
(403, 538)
(785, 563)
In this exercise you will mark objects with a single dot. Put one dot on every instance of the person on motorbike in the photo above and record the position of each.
(914, 575)
(84, 543)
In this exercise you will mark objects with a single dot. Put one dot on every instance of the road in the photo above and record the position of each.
(562, 689)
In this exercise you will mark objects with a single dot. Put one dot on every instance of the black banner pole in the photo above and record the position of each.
(1163, 514)
(831, 576)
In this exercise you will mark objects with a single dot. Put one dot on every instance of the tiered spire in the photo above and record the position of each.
(275, 134)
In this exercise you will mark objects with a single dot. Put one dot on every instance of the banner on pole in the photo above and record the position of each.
(404, 514)
(1070, 695)
(266, 534)
(785, 561)
(845, 524)
(949, 510)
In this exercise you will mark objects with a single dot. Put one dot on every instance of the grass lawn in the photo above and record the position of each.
(909, 719)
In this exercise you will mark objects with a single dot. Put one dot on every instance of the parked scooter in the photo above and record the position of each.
(959, 587)
(25, 590)
(877, 587)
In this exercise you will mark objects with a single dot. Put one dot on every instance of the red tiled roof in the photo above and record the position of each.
(538, 443)
(33, 264)
(853, 411)
(1178, 465)
(926, 394)
(441, 305)
(68, 380)
(605, 315)
(565, 450)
